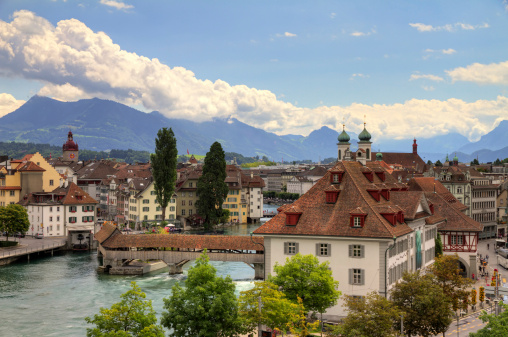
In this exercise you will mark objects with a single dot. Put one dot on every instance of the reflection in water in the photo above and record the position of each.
(52, 295)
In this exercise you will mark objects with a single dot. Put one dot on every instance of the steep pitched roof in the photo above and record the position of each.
(30, 167)
(407, 160)
(75, 195)
(429, 184)
(321, 218)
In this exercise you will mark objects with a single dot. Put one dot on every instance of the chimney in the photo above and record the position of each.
(415, 147)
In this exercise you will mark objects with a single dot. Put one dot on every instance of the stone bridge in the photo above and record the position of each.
(176, 249)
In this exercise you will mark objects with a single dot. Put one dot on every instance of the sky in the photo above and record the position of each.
(405, 68)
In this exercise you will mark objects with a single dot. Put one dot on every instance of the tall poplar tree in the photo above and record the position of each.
(164, 167)
(212, 188)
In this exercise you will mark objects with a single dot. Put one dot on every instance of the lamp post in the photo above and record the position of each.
(264, 255)
(386, 265)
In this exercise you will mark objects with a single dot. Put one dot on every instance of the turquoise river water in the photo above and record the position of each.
(51, 296)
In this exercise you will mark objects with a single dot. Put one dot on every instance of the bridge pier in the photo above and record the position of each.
(259, 271)
(176, 268)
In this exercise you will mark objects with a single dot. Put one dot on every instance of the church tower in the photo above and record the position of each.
(70, 149)
(343, 144)
(364, 146)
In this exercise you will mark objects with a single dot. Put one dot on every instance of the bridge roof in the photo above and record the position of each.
(111, 239)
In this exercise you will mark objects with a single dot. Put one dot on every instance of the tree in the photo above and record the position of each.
(446, 273)
(303, 276)
(497, 162)
(429, 162)
(265, 304)
(496, 325)
(438, 163)
(13, 219)
(206, 307)
(372, 316)
(164, 167)
(475, 162)
(132, 316)
(427, 311)
(438, 244)
(211, 186)
(225, 216)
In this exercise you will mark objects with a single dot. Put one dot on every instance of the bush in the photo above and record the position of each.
(8, 243)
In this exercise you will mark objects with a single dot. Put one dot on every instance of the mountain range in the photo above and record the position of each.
(102, 125)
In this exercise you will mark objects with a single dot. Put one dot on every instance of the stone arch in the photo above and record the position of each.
(464, 268)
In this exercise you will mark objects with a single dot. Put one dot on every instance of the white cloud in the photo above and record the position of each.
(448, 51)
(358, 75)
(494, 73)
(116, 4)
(358, 34)
(286, 34)
(333, 15)
(426, 77)
(421, 27)
(74, 62)
(428, 88)
(8, 104)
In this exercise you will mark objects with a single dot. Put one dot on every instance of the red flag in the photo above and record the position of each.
(188, 151)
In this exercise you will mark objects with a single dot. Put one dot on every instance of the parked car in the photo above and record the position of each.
(39, 236)
(19, 235)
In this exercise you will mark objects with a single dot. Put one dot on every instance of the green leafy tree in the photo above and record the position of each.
(265, 304)
(132, 316)
(497, 162)
(206, 307)
(497, 326)
(429, 162)
(211, 186)
(427, 311)
(372, 316)
(13, 219)
(225, 216)
(446, 273)
(475, 162)
(164, 167)
(438, 163)
(438, 245)
(303, 276)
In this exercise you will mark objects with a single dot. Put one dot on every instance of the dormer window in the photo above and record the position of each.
(400, 217)
(336, 177)
(357, 218)
(369, 175)
(381, 175)
(292, 216)
(332, 196)
(390, 217)
(357, 221)
(375, 194)
(385, 193)
(431, 206)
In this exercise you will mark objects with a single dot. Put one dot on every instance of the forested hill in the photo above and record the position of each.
(19, 150)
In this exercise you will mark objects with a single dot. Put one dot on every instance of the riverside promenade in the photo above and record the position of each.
(29, 247)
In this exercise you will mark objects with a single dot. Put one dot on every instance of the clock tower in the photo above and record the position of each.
(70, 149)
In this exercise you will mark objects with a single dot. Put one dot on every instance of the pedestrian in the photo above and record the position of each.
(487, 258)
(488, 246)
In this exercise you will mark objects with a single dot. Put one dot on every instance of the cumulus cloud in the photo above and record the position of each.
(286, 34)
(8, 104)
(116, 4)
(448, 51)
(74, 62)
(421, 27)
(359, 75)
(494, 73)
(426, 77)
(333, 15)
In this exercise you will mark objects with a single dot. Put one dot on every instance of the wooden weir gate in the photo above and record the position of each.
(176, 249)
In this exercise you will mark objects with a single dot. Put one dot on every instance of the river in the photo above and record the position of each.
(51, 296)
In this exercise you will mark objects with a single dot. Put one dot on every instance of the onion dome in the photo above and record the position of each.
(455, 158)
(343, 137)
(69, 145)
(379, 156)
(364, 136)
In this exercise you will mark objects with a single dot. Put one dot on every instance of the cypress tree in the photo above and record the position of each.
(164, 167)
(212, 188)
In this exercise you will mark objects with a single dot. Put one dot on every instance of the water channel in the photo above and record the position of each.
(51, 296)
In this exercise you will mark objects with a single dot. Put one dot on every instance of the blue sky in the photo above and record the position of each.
(409, 68)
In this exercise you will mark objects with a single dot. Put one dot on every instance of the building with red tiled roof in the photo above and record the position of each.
(67, 211)
(364, 222)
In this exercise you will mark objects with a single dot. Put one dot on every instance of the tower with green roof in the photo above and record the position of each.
(343, 144)
(364, 146)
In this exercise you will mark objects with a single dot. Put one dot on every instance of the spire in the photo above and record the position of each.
(343, 137)
(364, 136)
(415, 147)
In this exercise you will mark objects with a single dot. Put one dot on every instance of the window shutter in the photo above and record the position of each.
(362, 251)
(297, 248)
(317, 249)
(329, 246)
(350, 276)
(362, 278)
(286, 244)
(350, 250)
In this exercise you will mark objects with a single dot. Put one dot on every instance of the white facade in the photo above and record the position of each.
(46, 219)
(255, 200)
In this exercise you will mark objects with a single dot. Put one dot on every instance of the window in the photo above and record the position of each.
(457, 239)
(11, 193)
(51, 183)
(50, 218)
(356, 276)
(190, 202)
(183, 202)
(190, 211)
(190, 194)
(146, 209)
(290, 248)
(73, 209)
(459, 189)
(172, 208)
(51, 209)
(58, 209)
(152, 192)
(72, 219)
(183, 194)
(158, 209)
(190, 185)
(58, 218)
(183, 212)
(357, 251)
(146, 201)
(357, 221)
(172, 201)
(145, 217)
(323, 249)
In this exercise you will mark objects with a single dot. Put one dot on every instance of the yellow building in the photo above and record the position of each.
(143, 206)
(51, 179)
(19, 179)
